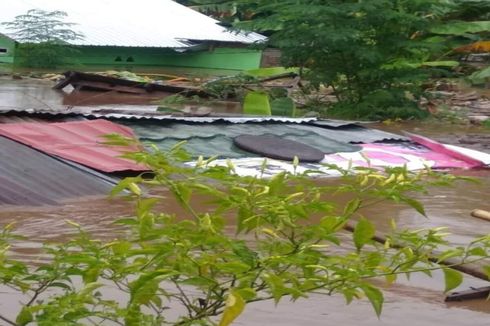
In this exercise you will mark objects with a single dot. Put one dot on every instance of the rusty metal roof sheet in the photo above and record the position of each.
(77, 141)
(29, 177)
(149, 23)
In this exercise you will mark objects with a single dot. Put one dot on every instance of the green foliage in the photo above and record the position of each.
(43, 37)
(43, 55)
(283, 106)
(379, 105)
(285, 241)
(469, 10)
(256, 103)
(462, 28)
(362, 48)
(354, 46)
(224, 10)
(256, 97)
(480, 77)
(37, 26)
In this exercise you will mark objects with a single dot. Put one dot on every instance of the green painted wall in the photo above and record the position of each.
(223, 59)
(218, 58)
(7, 50)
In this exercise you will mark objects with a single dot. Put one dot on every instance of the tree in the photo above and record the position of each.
(375, 54)
(284, 244)
(44, 38)
(38, 26)
(224, 10)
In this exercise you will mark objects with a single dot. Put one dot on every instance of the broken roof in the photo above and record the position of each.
(148, 23)
(28, 177)
(77, 141)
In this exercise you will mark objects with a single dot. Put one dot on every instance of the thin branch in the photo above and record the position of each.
(8, 321)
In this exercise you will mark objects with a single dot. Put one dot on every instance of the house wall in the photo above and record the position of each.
(218, 58)
(7, 50)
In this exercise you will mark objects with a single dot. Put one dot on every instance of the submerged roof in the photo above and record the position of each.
(28, 177)
(77, 141)
(146, 23)
(210, 139)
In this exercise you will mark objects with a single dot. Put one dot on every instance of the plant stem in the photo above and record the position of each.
(8, 321)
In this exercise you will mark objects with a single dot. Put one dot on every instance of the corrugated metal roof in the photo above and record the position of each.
(212, 139)
(78, 141)
(355, 134)
(170, 118)
(147, 23)
(153, 116)
(28, 177)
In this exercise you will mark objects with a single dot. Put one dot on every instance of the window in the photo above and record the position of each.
(3, 50)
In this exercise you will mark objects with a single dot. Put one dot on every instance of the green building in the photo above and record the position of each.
(7, 50)
(147, 35)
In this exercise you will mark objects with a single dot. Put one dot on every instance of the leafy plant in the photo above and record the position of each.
(480, 77)
(43, 37)
(285, 242)
(366, 48)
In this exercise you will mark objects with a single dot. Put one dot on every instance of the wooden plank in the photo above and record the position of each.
(472, 293)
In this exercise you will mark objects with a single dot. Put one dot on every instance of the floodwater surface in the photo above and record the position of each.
(418, 302)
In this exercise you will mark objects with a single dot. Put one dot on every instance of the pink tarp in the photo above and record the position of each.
(78, 141)
(413, 156)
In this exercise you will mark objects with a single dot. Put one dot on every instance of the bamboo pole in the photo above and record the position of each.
(470, 269)
(481, 214)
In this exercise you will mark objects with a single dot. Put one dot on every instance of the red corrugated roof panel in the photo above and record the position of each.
(77, 141)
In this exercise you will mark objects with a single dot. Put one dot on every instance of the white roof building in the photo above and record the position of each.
(144, 23)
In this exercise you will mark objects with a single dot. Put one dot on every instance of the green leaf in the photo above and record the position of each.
(375, 296)
(24, 317)
(121, 247)
(80, 259)
(449, 254)
(486, 269)
(452, 279)
(256, 103)
(449, 64)
(145, 287)
(247, 293)
(126, 184)
(480, 77)
(363, 233)
(144, 206)
(91, 275)
(461, 28)
(233, 267)
(200, 282)
(60, 285)
(183, 193)
(234, 307)
(270, 71)
(283, 106)
(352, 207)
(415, 204)
(245, 254)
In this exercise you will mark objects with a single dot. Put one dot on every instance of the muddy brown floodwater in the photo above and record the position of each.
(419, 302)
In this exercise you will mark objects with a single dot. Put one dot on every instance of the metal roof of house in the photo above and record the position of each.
(147, 23)
(209, 139)
(28, 177)
(138, 114)
(77, 141)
